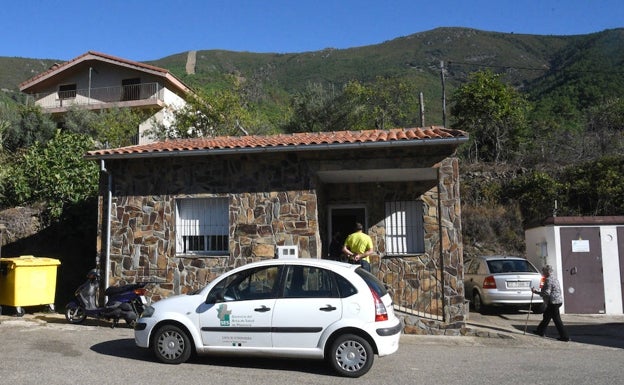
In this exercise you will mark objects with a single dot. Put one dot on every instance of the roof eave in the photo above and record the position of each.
(152, 70)
(453, 142)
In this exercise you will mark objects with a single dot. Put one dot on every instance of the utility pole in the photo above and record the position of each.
(2, 230)
(443, 93)
(89, 91)
(422, 110)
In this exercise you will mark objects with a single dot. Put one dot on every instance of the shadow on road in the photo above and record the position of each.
(589, 329)
(123, 348)
(609, 334)
(126, 348)
(54, 318)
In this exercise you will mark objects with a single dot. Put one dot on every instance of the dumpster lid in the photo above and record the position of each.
(30, 260)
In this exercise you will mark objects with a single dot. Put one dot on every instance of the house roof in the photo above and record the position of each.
(399, 137)
(585, 221)
(58, 69)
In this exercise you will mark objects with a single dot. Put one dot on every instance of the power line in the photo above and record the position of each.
(508, 67)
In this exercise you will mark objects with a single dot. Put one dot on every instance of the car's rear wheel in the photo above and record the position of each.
(351, 355)
(478, 303)
(171, 345)
(538, 309)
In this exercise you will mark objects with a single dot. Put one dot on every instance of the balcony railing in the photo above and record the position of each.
(101, 95)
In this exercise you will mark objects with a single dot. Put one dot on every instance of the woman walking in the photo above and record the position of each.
(551, 293)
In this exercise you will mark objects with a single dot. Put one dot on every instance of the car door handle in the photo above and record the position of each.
(262, 309)
(328, 308)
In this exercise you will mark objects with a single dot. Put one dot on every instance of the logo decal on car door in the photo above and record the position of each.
(224, 315)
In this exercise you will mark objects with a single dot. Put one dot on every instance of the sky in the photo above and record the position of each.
(144, 30)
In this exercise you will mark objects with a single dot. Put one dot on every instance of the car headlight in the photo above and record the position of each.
(149, 310)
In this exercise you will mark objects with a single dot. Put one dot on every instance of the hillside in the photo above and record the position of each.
(543, 66)
(562, 75)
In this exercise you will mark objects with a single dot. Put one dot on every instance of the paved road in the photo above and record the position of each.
(44, 349)
(594, 329)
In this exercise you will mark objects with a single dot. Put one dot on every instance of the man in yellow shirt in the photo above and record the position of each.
(358, 247)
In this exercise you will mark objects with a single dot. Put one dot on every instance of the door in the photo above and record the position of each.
(309, 305)
(241, 310)
(581, 263)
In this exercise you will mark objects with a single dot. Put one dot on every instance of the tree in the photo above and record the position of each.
(5, 123)
(383, 104)
(605, 126)
(386, 103)
(596, 187)
(115, 127)
(25, 126)
(536, 194)
(207, 114)
(311, 109)
(54, 172)
(493, 113)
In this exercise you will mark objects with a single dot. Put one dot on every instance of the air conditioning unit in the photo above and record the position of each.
(288, 252)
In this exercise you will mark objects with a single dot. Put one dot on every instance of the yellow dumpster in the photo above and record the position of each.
(27, 281)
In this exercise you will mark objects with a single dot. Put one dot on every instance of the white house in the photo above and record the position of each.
(587, 255)
(97, 81)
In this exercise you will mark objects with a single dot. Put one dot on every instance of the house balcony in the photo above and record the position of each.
(140, 96)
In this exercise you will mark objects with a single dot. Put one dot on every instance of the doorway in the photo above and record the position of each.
(131, 89)
(342, 220)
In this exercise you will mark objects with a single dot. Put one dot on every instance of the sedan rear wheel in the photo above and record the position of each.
(171, 345)
(478, 304)
(351, 356)
(539, 308)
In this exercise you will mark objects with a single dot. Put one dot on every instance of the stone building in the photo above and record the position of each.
(179, 213)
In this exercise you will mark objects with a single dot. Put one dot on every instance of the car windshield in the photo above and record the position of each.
(510, 266)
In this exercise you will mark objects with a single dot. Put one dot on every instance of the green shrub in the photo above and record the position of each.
(55, 172)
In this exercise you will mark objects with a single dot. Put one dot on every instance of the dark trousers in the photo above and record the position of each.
(552, 313)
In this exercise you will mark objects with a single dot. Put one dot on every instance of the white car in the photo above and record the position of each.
(304, 308)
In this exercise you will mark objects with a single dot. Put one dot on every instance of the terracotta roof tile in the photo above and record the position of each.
(297, 141)
(88, 56)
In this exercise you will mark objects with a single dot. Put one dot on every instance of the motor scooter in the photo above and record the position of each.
(125, 302)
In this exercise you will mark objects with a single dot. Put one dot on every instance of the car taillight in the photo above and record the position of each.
(380, 309)
(489, 283)
(542, 281)
(140, 291)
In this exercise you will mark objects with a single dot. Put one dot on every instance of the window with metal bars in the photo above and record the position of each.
(404, 228)
(202, 226)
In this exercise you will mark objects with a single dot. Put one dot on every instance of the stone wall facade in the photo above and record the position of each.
(275, 200)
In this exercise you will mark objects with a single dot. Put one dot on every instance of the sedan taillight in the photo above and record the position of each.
(381, 314)
(489, 282)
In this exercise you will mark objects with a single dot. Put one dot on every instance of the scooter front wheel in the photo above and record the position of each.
(75, 315)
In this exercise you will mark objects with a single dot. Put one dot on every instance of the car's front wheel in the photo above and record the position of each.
(351, 355)
(171, 345)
